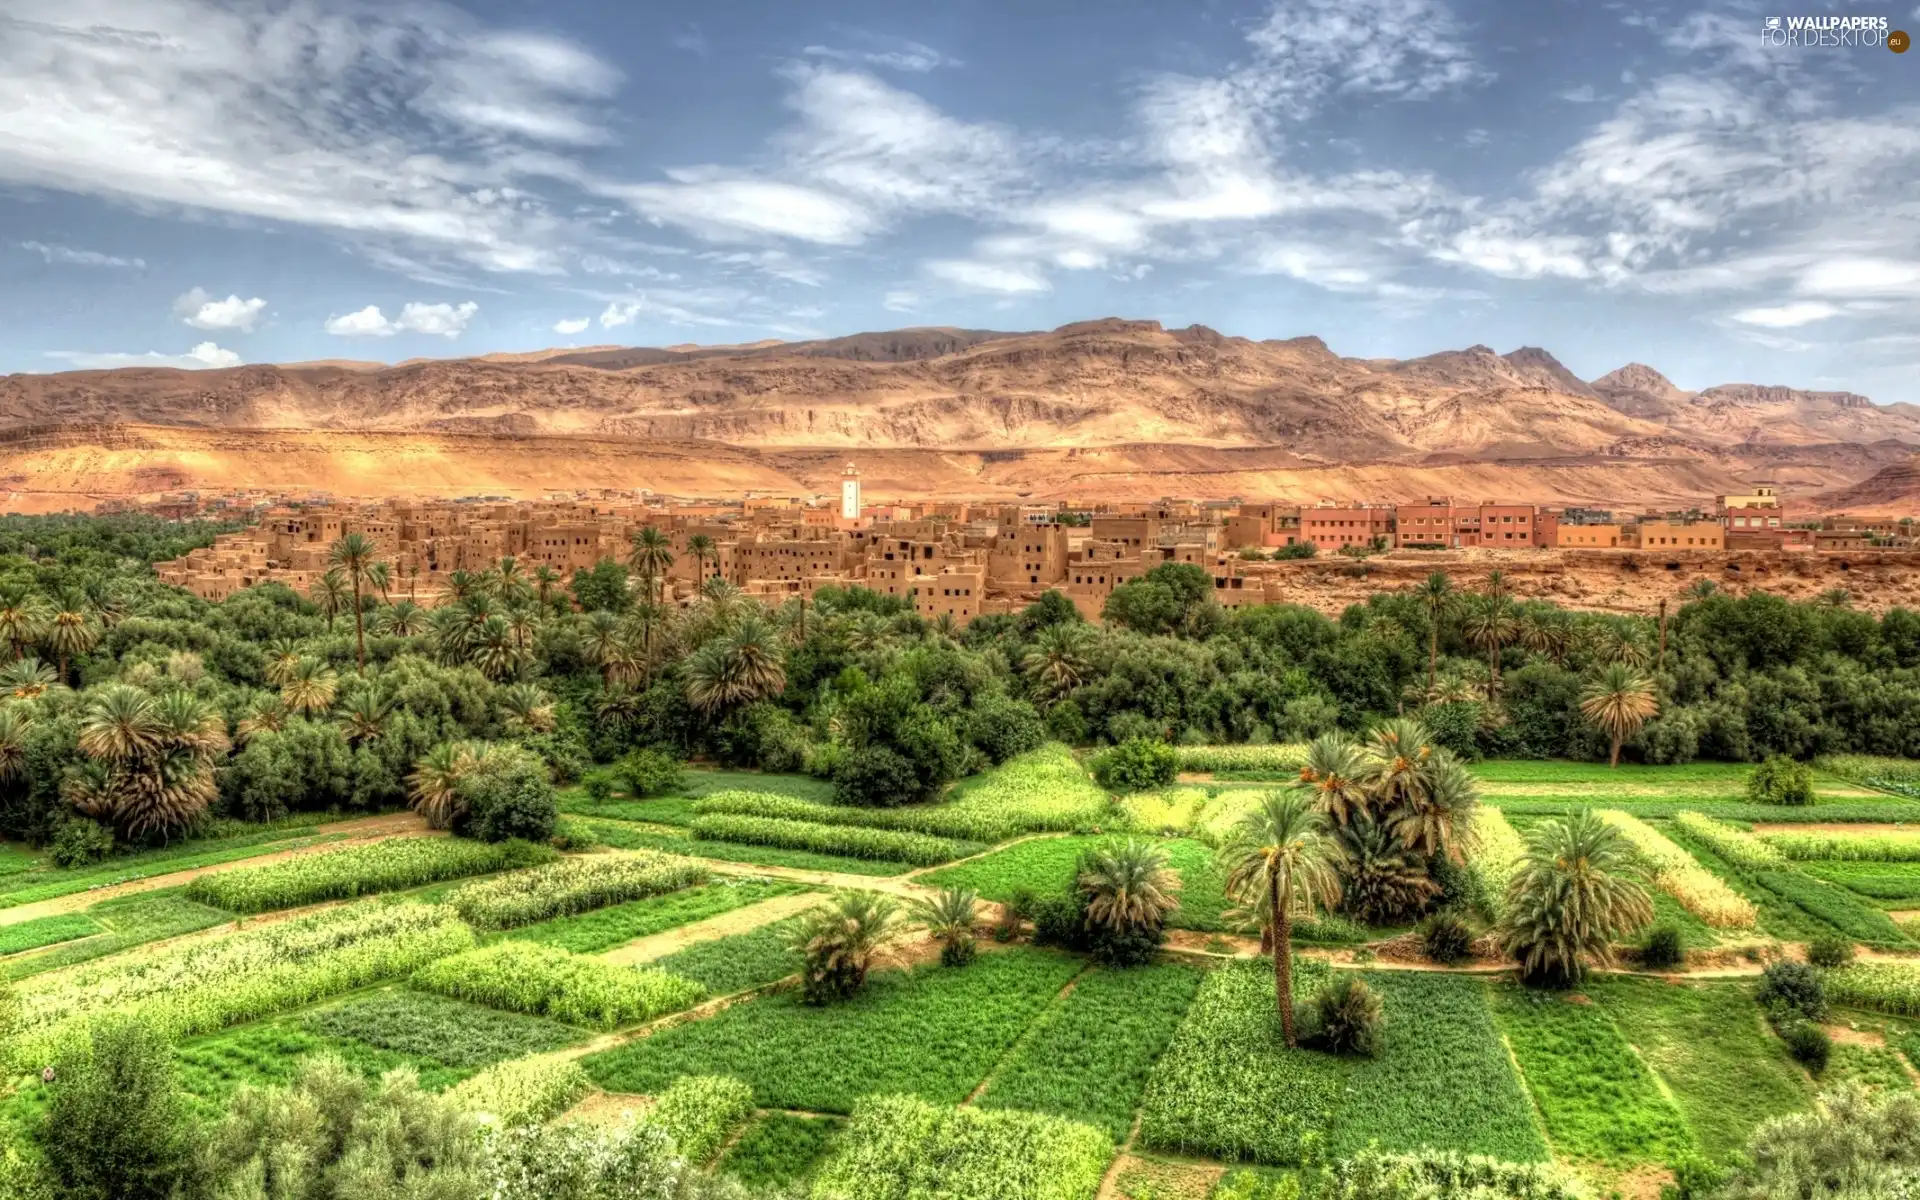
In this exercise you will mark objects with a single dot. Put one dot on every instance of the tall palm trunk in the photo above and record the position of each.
(1615, 760)
(1282, 959)
(359, 631)
(1433, 654)
(1661, 664)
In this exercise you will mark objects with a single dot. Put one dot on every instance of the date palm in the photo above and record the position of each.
(1280, 858)
(22, 623)
(1331, 776)
(545, 580)
(950, 918)
(602, 640)
(1382, 881)
(736, 668)
(70, 632)
(433, 787)
(1490, 625)
(310, 687)
(650, 556)
(380, 576)
(510, 583)
(840, 940)
(1128, 887)
(118, 723)
(363, 718)
(15, 720)
(492, 648)
(529, 710)
(701, 547)
(405, 619)
(1396, 760)
(283, 655)
(1057, 661)
(1437, 818)
(27, 679)
(1578, 891)
(1618, 702)
(151, 760)
(353, 556)
(330, 594)
(267, 714)
(1437, 596)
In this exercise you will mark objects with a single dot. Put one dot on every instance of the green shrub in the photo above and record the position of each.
(1136, 765)
(512, 798)
(114, 1127)
(358, 871)
(1445, 1175)
(78, 841)
(884, 845)
(651, 773)
(598, 786)
(1830, 952)
(573, 886)
(1792, 990)
(1663, 948)
(1809, 1044)
(700, 1112)
(550, 982)
(1446, 938)
(1780, 780)
(1855, 1144)
(899, 1146)
(1348, 1017)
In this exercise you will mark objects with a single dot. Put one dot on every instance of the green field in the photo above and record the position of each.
(1045, 867)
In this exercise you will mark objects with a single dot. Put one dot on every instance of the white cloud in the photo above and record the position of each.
(723, 206)
(902, 300)
(446, 320)
(1010, 278)
(1309, 50)
(897, 54)
(202, 311)
(673, 308)
(572, 325)
(1859, 275)
(1787, 316)
(68, 256)
(204, 356)
(1584, 94)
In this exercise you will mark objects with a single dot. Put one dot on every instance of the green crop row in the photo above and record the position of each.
(1898, 775)
(208, 985)
(1737, 846)
(885, 845)
(1836, 906)
(550, 982)
(574, 886)
(523, 1091)
(899, 1146)
(1285, 758)
(1892, 987)
(1847, 847)
(700, 1112)
(359, 871)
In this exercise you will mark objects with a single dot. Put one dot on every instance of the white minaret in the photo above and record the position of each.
(850, 493)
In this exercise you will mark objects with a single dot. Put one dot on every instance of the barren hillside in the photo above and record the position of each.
(1114, 408)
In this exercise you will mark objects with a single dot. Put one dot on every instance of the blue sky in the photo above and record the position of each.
(205, 182)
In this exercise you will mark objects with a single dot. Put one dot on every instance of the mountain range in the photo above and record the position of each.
(1100, 409)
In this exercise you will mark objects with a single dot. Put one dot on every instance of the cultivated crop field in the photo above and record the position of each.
(525, 981)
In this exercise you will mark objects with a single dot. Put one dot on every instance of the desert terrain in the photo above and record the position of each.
(1111, 409)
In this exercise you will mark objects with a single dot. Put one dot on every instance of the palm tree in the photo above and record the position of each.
(151, 760)
(529, 710)
(331, 594)
(267, 714)
(433, 788)
(380, 575)
(1332, 776)
(463, 585)
(1395, 761)
(735, 669)
(1382, 881)
(352, 555)
(1057, 661)
(27, 679)
(652, 554)
(603, 642)
(14, 722)
(1577, 891)
(1437, 819)
(1490, 625)
(510, 584)
(492, 648)
(701, 547)
(1280, 858)
(363, 718)
(405, 619)
(310, 688)
(70, 633)
(1618, 702)
(950, 918)
(1437, 597)
(545, 579)
(283, 655)
(840, 940)
(118, 723)
(22, 623)
(1129, 888)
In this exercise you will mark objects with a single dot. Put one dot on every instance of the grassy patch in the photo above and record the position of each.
(546, 981)
(1045, 866)
(1706, 1042)
(128, 921)
(1778, 917)
(933, 1032)
(1878, 880)
(661, 810)
(1871, 1066)
(781, 1149)
(625, 836)
(1443, 1081)
(740, 961)
(1088, 1057)
(603, 929)
(359, 871)
(1599, 1101)
(854, 841)
(45, 931)
(31, 887)
(571, 886)
(898, 1146)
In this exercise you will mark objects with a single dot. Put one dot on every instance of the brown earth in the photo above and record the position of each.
(1106, 409)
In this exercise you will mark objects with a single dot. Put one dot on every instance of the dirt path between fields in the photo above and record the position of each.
(739, 920)
(360, 831)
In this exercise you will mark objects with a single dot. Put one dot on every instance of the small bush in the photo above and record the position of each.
(650, 772)
(1060, 921)
(1663, 948)
(958, 952)
(1694, 1178)
(1348, 1017)
(79, 841)
(1830, 952)
(512, 798)
(598, 786)
(1793, 991)
(1136, 765)
(1781, 780)
(1808, 1043)
(1446, 938)
(699, 1112)
(115, 1129)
